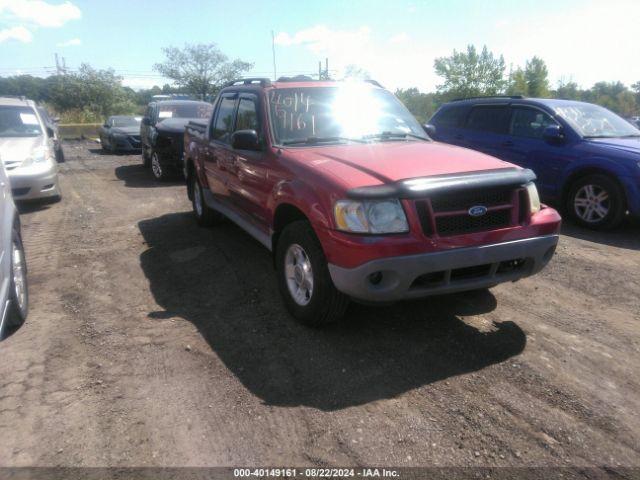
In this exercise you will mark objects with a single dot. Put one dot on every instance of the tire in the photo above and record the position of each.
(322, 303)
(159, 172)
(205, 216)
(60, 155)
(18, 290)
(146, 158)
(597, 202)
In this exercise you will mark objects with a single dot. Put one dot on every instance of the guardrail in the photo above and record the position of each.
(69, 131)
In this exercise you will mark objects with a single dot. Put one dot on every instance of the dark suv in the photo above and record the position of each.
(586, 158)
(162, 132)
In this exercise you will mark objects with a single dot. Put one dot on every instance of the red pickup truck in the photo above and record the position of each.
(353, 198)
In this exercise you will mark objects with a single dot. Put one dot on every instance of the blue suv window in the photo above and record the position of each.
(489, 118)
(529, 122)
(450, 117)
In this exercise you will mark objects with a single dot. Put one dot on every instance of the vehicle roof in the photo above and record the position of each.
(16, 102)
(178, 102)
(255, 87)
(551, 103)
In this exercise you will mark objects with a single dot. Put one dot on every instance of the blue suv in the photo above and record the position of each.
(586, 158)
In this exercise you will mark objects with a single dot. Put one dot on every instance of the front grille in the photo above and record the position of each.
(448, 214)
(19, 192)
(458, 224)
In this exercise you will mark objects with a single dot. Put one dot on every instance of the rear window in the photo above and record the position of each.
(450, 117)
(493, 118)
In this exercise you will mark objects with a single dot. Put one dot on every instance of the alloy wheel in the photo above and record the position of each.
(591, 203)
(299, 274)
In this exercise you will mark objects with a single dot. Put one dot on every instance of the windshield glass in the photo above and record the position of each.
(126, 122)
(346, 111)
(594, 121)
(19, 122)
(185, 110)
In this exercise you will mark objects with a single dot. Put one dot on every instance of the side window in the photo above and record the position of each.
(224, 120)
(490, 118)
(450, 117)
(247, 116)
(529, 122)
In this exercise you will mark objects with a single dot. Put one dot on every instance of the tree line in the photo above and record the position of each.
(89, 94)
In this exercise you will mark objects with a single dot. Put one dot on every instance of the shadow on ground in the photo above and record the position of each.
(137, 176)
(223, 282)
(626, 235)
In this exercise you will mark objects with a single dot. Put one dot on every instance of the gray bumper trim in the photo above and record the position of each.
(451, 270)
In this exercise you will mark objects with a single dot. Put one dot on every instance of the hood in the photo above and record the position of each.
(630, 145)
(126, 130)
(17, 149)
(173, 125)
(356, 165)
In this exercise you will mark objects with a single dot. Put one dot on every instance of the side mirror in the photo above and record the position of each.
(429, 129)
(50, 132)
(245, 140)
(146, 121)
(553, 134)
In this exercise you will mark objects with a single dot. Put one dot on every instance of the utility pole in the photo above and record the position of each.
(57, 64)
(319, 70)
(64, 66)
(326, 68)
(273, 51)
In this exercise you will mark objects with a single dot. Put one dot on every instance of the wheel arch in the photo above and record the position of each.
(585, 171)
(284, 214)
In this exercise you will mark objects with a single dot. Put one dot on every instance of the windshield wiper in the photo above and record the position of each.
(385, 135)
(315, 140)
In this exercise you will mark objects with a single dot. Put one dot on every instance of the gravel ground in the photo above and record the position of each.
(152, 342)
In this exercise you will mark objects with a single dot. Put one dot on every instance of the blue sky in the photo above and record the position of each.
(397, 41)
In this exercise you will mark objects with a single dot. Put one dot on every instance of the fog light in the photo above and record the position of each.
(375, 278)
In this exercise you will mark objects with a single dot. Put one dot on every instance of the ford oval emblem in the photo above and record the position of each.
(477, 210)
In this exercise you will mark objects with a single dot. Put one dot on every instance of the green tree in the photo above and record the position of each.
(517, 83)
(200, 69)
(567, 91)
(354, 71)
(468, 74)
(421, 105)
(537, 78)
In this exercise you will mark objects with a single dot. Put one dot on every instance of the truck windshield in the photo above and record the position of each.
(19, 122)
(185, 110)
(592, 121)
(357, 112)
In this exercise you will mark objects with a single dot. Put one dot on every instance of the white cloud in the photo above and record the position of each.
(322, 40)
(19, 33)
(399, 38)
(74, 42)
(38, 12)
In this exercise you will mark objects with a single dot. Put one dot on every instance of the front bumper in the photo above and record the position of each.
(128, 143)
(39, 180)
(413, 276)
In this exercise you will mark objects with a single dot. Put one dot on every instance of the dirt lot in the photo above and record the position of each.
(151, 341)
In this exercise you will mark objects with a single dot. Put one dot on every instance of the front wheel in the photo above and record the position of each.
(159, 171)
(303, 277)
(597, 202)
(18, 293)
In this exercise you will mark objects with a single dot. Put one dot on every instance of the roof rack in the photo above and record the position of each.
(15, 97)
(263, 81)
(515, 97)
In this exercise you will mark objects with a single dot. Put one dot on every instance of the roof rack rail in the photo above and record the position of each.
(15, 97)
(515, 97)
(263, 81)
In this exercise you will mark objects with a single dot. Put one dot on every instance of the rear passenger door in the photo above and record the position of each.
(486, 129)
(219, 161)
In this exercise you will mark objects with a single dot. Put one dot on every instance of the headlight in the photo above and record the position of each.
(534, 198)
(370, 216)
(39, 155)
